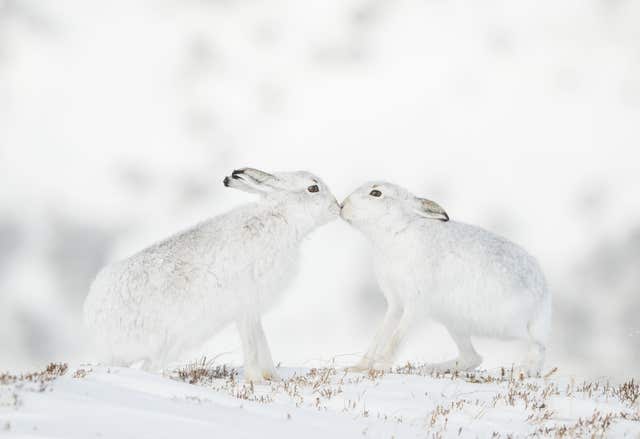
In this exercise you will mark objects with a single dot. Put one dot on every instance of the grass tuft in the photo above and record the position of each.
(629, 392)
(204, 371)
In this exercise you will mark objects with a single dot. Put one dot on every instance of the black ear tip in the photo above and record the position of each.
(226, 181)
(237, 172)
(446, 217)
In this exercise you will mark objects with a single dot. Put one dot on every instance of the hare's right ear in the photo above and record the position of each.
(430, 209)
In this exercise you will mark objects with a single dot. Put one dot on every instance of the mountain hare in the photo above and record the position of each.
(472, 281)
(176, 294)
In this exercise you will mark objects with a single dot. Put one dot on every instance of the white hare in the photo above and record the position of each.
(472, 281)
(176, 294)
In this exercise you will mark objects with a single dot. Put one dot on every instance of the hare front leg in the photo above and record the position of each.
(388, 327)
(390, 346)
(258, 364)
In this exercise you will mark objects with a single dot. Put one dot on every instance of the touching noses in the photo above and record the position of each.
(337, 206)
(345, 208)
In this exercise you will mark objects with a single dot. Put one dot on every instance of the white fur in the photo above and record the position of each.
(176, 294)
(472, 281)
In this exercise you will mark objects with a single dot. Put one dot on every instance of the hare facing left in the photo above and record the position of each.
(472, 281)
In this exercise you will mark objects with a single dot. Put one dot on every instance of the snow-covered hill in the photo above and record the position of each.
(206, 400)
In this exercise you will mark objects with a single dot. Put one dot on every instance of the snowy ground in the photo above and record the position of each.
(213, 401)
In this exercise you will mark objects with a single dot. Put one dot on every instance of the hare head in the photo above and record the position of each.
(382, 205)
(303, 193)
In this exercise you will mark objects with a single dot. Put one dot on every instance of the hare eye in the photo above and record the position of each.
(313, 188)
(375, 193)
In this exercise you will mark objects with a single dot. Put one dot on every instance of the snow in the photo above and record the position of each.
(98, 401)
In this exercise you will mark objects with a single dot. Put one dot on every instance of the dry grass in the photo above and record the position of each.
(32, 381)
(595, 426)
(323, 389)
(204, 372)
(42, 377)
(628, 392)
(477, 377)
(317, 387)
(81, 373)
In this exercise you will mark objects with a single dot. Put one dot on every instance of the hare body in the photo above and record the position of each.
(472, 281)
(176, 294)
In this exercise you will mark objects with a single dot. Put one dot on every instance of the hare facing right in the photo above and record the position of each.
(173, 296)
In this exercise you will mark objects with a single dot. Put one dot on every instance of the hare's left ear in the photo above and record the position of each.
(430, 209)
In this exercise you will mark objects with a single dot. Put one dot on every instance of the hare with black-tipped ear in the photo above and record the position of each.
(176, 294)
(472, 281)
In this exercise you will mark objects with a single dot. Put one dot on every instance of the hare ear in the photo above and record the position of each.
(430, 209)
(251, 180)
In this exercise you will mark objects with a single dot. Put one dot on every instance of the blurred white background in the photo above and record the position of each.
(119, 119)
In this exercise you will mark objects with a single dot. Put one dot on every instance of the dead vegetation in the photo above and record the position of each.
(595, 426)
(42, 377)
(81, 373)
(32, 381)
(204, 372)
(628, 392)
(477, 377)
(333, 388)
(446, 413)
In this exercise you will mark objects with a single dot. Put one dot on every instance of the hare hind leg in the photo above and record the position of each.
(258, 364)
(534, 359)
(468, 358)
(538, 333)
